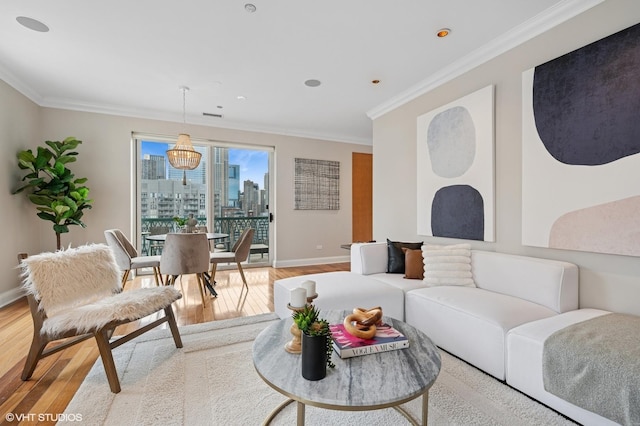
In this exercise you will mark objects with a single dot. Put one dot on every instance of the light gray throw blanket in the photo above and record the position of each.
(595, 364)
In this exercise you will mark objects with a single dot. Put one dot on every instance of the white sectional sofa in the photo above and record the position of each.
(472, 322)
(499, 326)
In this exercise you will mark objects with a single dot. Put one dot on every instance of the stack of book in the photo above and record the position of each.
(386, 339)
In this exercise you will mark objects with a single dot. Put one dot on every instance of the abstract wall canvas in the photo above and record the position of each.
(581, 148)
(455, 168)
(317, 184)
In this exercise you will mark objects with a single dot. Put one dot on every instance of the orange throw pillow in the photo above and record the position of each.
(413, 264)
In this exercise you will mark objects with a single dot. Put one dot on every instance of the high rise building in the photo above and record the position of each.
(251, 199)
(153, 167)
(234, 185)
(220, 179)
(165, 199)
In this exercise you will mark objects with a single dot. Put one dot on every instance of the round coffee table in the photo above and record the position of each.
(367, 382)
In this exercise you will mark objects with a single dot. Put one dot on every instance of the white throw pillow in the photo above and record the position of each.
(447, 265)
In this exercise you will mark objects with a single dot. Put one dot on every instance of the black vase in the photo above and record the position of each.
(314, 357)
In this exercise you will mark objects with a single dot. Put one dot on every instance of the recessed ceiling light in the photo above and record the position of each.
(241, 98)
(312, 83)
(250, 7)
(32, 24)
(443, 32)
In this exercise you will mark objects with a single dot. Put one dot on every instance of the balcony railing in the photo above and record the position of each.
(233, 226)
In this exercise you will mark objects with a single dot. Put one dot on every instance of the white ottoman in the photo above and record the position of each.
(342, 290)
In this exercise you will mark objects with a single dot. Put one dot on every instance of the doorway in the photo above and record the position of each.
(361, 197)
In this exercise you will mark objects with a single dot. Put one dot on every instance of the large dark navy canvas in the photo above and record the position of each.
(581, 148)
(587, 102)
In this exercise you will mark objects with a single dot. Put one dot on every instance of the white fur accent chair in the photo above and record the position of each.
(77, 293)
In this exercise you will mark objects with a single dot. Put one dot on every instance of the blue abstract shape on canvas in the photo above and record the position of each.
(586, 103)
(451, 139)
(457, 211)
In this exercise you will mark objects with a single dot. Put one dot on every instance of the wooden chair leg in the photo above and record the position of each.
(200, 280)
(244, 280)
(35, 354)
(214, 268)
(171, 319)
(102, 339)
(125, 277)
(156, 274)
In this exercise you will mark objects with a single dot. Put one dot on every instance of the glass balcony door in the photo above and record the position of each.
(226, 193)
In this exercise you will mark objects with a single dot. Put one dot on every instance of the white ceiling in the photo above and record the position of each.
(130, 57)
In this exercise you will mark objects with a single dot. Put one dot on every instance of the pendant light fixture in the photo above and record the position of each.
(182, 156)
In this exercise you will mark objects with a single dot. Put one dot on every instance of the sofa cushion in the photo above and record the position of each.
(399, 281)
(413, 264)
(395, 262)
(547, 282)
(447, 265)
(343, 291)
(471, 323)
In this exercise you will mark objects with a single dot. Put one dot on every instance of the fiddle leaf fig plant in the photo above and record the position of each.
(59, 197)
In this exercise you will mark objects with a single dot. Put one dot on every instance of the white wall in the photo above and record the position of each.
(105, 159)
(606, 281)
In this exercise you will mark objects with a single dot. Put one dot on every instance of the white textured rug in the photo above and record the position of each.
(211, 381)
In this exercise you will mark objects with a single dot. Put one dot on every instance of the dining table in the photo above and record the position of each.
(211, 236)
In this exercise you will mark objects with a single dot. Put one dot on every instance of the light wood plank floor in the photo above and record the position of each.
(57, 377)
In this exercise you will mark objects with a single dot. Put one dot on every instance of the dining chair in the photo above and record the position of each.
(215, 245)
(127, 256)
(186, 254)
(155, 247)
(76, 294)
(238, 254)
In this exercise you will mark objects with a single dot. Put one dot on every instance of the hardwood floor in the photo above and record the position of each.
(57, 377)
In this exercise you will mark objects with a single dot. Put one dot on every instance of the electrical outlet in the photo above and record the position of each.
(319, 247)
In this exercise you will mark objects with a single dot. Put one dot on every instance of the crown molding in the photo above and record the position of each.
(17, 84)
(549, 18)
(223, 123)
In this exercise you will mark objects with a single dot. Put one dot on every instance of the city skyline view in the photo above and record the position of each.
(253, 163)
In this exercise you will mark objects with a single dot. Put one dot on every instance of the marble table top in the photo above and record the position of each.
(368, 381)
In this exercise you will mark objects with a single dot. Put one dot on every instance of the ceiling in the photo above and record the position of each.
(131, 57)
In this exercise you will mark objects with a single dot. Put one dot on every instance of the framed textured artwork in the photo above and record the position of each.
(455, 169)
(581, 148)
(317, 184)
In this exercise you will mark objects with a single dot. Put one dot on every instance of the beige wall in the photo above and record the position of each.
(606, 281)
(105, 159)
(19, 130)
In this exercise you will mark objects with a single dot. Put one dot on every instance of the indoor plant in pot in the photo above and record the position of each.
(316, 343)
(59, 196)
(180, 223)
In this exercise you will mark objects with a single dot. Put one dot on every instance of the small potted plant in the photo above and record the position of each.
(180, 223)
(316, 343)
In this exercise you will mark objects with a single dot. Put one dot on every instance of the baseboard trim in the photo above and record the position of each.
(310, 261)
(11, 296)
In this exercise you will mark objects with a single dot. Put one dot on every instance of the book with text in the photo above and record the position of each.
(386, 339)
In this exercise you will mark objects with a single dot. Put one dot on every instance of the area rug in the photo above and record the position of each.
(212, 381)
